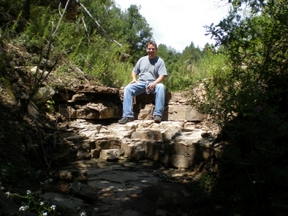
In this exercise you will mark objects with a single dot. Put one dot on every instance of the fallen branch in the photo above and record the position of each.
(98, 24)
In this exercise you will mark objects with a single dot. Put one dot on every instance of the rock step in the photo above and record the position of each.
(106, 103)
(177, 144)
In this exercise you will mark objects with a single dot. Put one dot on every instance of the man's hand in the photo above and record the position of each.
(151, 86)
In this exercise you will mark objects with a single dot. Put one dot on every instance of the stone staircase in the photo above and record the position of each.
(140, 168)
(90, 129)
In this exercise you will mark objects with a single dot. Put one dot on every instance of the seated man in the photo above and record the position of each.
(151, 70)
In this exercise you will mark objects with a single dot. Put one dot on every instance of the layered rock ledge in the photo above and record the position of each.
(182, 139)
(97, 102)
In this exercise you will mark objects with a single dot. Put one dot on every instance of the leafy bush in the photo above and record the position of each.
(249, 100)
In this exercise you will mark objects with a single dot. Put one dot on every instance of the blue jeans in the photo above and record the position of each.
(134, 89)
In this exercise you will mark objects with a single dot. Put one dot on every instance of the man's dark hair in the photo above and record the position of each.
(152, 43)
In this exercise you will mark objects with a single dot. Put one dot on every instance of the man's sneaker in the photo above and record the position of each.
(124, 120)
(157, 119)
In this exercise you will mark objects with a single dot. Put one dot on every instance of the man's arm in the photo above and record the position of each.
(159, 79)
(134, 77)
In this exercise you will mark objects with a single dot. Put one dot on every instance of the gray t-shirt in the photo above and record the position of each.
(150, 69)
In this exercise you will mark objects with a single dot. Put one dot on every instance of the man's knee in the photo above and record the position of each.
(127, 88)
(160, 87)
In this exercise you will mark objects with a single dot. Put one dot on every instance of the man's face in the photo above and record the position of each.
(151, 51)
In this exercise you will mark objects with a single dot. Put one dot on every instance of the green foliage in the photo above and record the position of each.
(128, 27)
(29, 202)
(38, 32)
(136, 32)
(122, 74)
(191, 54)
(190, 67)
(86, 43)
(13, 6)
(248, 98)
(50, 104)
(12, 172)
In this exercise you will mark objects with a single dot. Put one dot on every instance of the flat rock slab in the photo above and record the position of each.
(125, 187)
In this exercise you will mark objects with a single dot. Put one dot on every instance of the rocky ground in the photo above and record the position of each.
(85, 185)
(117, 187)
(128, 184)
(130, 188)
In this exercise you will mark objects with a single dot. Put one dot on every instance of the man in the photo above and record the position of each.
(151, 71)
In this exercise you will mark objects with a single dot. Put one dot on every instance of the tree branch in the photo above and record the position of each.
(87, 11)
